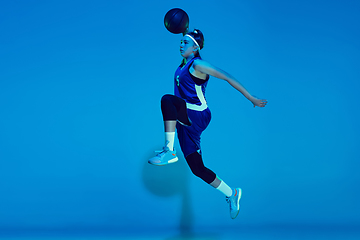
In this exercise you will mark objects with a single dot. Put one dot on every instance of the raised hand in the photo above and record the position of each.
(258, 102)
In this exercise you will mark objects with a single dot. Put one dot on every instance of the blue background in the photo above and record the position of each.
(80, 89)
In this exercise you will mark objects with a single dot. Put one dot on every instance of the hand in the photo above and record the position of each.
(258, 102)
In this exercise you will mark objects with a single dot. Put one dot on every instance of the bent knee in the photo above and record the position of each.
(199, 172)
(166, 98)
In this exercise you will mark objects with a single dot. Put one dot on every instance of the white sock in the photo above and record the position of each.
(170, 136)
(225, 189)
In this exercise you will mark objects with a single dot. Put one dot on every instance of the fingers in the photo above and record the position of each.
(260, 103)
(263, 103)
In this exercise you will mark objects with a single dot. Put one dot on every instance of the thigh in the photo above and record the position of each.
(190, 136)
(175, 108)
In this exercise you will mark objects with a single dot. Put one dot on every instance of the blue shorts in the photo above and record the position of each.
(189, 136)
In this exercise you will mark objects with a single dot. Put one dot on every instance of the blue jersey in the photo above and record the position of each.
(190, 88)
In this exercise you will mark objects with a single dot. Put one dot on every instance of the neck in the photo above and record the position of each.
(188, 58)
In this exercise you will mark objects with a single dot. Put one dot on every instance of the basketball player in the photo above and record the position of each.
(187, 111)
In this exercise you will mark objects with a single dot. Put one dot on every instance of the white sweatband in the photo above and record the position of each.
(193, 40)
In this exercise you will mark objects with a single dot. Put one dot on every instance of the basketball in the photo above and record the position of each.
(176, 20)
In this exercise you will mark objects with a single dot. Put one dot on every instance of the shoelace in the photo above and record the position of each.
(162, 152)
(228, 200)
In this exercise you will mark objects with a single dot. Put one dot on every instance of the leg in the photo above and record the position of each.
(170, 125)
(189, 139)
(216, 182)
(173, 108)
(232, 196)
(198, 168)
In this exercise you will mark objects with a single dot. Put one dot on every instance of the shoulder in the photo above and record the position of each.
(206, 68)
(196, 71)
(202, 66)
(199, 62)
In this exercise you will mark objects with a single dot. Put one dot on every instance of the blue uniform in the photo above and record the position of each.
(192, 90)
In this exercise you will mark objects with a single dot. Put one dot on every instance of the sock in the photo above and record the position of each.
(170, 136)
(225, 189)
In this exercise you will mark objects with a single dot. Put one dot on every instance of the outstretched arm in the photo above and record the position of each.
(206, 68)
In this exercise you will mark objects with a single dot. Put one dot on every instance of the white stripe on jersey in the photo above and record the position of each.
(201, 97)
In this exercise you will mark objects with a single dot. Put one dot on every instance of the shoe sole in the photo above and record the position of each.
(238, 202)
(166, 163)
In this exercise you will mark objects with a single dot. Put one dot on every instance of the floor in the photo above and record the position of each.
(213, 235)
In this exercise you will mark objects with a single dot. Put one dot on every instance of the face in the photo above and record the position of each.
(187, 47)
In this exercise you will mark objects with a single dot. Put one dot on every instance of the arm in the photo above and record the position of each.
(206, 68)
